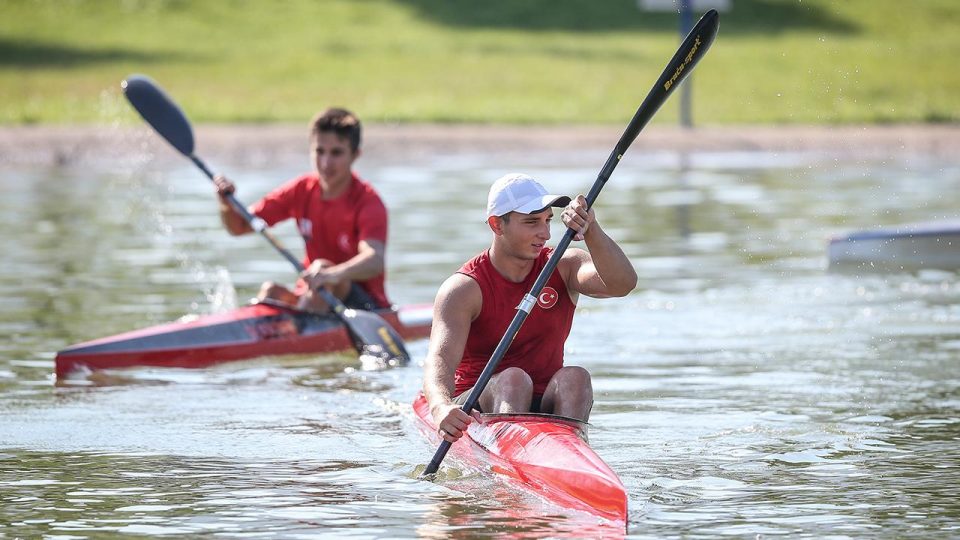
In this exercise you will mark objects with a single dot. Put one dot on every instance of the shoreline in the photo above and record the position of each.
(45, 145)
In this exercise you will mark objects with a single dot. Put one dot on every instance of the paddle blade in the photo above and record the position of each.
(691, 51)
(156, 107)
(378, 343)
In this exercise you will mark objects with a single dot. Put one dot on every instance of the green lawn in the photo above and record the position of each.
(504, 61)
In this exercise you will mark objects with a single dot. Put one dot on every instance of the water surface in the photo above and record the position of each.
(742, 390)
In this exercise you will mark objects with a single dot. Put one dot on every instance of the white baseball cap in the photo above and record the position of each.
(520, 193)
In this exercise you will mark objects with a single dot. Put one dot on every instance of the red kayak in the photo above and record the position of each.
(544, 453)
(246, 332)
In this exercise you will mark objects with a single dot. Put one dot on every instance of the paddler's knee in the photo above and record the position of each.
(516, 380)
(575, 380)
(274, 291)
(510, 391)
(569, 393)
(342, 289)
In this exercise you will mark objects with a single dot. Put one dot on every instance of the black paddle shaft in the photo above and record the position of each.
(366, 329)
(693, 48)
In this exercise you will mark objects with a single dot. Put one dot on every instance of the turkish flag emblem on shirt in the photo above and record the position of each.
(548, 298)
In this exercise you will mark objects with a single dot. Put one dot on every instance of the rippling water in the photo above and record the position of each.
(742, 390)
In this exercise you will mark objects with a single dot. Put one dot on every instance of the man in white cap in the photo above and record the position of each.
(475, 306)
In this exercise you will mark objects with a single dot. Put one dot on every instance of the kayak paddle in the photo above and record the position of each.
(693, 48)
(370, 334)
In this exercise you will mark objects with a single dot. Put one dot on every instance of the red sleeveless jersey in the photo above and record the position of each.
(538, 346)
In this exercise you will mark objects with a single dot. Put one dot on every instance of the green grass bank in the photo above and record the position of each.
(495, 61)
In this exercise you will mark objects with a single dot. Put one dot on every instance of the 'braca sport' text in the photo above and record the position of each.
(681, 67)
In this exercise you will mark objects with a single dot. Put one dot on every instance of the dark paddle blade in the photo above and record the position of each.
(378, 343)
(690, 52)
(694, 46)
(159, 111)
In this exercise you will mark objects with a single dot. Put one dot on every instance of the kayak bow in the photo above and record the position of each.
(544, 453)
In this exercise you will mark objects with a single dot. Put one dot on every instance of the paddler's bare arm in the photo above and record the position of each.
(603, 270)
(458, 302)
(367, 264)
(232, 221)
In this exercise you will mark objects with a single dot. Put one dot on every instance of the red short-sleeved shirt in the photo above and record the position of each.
(331, 229)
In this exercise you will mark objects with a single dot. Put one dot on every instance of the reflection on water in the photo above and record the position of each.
(741, 389)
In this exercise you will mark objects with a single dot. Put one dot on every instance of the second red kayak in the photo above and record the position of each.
(246, 332)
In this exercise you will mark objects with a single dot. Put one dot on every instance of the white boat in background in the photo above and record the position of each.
(908, 247)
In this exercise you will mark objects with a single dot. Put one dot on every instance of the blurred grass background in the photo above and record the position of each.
(490, 61)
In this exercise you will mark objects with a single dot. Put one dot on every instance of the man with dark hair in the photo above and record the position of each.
(340, 216)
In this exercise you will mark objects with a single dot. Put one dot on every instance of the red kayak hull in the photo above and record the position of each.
(544, 453)
(247, 332)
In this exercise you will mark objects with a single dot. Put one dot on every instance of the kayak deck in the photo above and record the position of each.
(250, 331)
(546, 454)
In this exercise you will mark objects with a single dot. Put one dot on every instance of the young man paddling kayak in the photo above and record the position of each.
(340, 216)
(474, 307)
